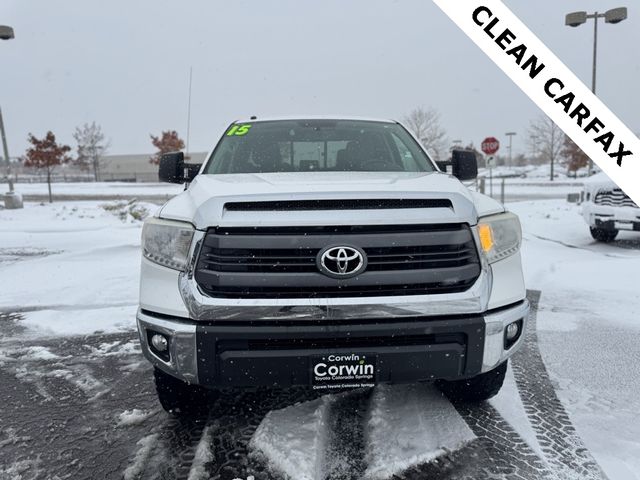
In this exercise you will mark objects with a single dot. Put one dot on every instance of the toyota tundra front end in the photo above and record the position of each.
(331, 253)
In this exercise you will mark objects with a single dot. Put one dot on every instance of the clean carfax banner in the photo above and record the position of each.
(553, 87)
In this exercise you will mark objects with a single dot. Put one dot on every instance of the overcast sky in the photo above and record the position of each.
(125, 64)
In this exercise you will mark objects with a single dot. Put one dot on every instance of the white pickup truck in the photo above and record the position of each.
(332, 253)
(607, 209)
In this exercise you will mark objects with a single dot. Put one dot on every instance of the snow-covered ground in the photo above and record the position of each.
(105, 189)
(410, 425)
(515, 187)
(588, 327)
(535, 172)
(71, 268)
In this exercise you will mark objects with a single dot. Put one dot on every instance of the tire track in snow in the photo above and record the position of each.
(620, 244)
(344, 455)
(141, 458)
(168, 452)
(564, 450)
(505, 453)
(203, 455)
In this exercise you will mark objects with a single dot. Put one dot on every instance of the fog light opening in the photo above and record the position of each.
(512, 333)
(159, 342)
(159, 345)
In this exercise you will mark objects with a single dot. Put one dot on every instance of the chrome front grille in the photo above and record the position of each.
(273, 262)
(614, 198)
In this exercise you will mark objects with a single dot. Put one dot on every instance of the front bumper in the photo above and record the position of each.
(202, 307)
(278, 352)
(610, 217)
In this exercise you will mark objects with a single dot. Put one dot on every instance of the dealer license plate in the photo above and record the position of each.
(336, 371)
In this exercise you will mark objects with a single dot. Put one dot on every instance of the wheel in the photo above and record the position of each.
(476, 389)
(602, 235)
(178, 397)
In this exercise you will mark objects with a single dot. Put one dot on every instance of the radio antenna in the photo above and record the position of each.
(189, 111)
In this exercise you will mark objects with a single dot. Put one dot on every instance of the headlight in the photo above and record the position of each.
(500, 236)
(167, 242)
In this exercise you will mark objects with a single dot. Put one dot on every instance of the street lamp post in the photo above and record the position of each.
(575, 19)
(11, 200)
(510, 135)
(5, 151)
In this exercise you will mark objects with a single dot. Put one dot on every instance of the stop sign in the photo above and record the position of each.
(490, 145)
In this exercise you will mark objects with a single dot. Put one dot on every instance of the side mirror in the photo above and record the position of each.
(172, 167)
(442, 165)
(174, 170)
(464, 165)
(191, 170)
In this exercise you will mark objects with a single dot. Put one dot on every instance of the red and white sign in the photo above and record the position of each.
(490, 145)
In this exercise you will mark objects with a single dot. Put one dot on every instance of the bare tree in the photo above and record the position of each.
(91, 148)
(547, 140)
(425, 124)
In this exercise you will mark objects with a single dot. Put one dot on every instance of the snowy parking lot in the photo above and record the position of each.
(77, 400)
(515, 189)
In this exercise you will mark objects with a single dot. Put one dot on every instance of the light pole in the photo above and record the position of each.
(510, 135)
(10, 200)
(5, 150)
(575, 19)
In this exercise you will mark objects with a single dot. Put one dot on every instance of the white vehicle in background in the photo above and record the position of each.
(607, 209)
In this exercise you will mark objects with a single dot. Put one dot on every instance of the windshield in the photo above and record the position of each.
(317, 145)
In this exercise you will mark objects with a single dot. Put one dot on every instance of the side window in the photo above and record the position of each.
(408, 161)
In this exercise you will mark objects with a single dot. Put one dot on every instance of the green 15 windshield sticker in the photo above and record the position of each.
(238, 130)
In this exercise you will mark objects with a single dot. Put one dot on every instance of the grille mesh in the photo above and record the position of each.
(273, 263)
(614, 198)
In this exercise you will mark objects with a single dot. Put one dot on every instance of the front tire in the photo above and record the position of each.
(180, 398)
(602, 235)
(476, 389)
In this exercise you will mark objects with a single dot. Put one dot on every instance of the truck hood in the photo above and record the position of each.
(203, 203)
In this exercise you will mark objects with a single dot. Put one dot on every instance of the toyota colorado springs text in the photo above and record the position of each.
(328, 252)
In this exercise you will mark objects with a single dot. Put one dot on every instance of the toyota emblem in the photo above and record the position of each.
(342, 261)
